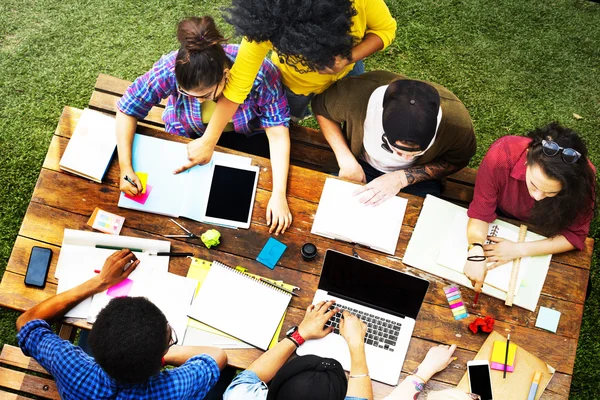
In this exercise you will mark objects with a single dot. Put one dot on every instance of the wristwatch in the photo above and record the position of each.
(471, 245)
(294, 336)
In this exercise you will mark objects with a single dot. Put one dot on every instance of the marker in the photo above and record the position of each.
(506, 356)
(537, 377)
(128, 179)
(476, 298)
(166, 253)
(277, 286)
(100, 246)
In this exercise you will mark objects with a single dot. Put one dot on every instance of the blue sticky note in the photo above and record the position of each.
(271, 253)
(548, 319)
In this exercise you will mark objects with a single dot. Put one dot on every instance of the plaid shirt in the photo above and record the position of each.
(265, 106)
(78, 376)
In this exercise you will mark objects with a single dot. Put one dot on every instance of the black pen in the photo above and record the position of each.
(166, 253)
(128, 179)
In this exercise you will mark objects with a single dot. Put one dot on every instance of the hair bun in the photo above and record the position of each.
(198, 34)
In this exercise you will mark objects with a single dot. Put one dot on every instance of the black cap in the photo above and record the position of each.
(410, 110)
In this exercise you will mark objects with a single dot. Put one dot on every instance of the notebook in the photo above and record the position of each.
(189, 193)
(91, 147)
(341, 216)
(251, 310)
(453, 252)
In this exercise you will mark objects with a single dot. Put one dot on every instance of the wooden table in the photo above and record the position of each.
(61, 200)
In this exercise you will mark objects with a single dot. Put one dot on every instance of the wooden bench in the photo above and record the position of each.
(309, 147)
(22, 375)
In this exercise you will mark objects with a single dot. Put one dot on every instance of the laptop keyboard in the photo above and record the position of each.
(381, 332)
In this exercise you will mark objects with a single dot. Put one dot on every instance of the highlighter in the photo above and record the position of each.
(534, 385)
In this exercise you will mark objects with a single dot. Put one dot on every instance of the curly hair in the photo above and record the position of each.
(306, 34)
(577, 196)
(129, 338)
(201, 59)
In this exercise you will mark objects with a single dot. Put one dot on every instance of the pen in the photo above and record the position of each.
(277, 286)
(166, 253)
(476, 298)
(506, 355)
(100, 246)
(128, 179)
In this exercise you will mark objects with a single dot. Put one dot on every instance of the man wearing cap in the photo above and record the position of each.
(395, 133)
(308, 377)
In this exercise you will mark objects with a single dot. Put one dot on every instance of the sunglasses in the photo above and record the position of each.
(204, 96)
(551, 148)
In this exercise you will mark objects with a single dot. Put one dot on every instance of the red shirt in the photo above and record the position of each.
(500, 184)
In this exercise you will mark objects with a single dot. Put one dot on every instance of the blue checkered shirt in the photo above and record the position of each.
(78, 376)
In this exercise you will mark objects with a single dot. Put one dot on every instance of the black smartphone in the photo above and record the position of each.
(480, 380)
(39, 264)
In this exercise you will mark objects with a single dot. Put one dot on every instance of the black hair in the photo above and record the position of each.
(577, 196)
(201, 59)
(305, 33)
(129, 338)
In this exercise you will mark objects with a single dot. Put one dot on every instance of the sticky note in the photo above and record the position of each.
(141, 198)
(499, 353)
(548, 319)
(121, 289)
(143, 177)
(271, 253)
(106, 222)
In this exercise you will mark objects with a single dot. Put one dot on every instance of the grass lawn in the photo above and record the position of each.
(515, 64)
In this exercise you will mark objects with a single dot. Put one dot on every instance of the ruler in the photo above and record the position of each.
(514, 274)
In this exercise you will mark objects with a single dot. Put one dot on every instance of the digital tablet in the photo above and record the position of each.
(231, 195)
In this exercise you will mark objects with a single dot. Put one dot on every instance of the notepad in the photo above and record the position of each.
(250, 311)
(499, 354)
(271, 253)
(341, 216)
(91, 147)
(548, 319)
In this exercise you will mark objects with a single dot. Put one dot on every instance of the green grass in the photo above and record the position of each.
(515, 64)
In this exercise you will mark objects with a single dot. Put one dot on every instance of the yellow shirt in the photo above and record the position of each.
(373, 16)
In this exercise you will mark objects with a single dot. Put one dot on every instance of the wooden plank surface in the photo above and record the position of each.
(61, 200)
(38, 386)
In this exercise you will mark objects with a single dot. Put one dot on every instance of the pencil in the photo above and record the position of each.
(506, 355)
(100, 246)
(476, 298)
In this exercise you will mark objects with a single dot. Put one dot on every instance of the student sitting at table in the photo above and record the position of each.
(545, 180)
(307, 377)
(131, 341)
(395, 133)
(193, 79)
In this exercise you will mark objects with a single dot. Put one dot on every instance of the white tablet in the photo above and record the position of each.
(231, 195)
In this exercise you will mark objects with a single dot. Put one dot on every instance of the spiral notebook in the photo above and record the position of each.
(239, 305)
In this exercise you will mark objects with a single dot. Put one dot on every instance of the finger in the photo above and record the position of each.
(184, 168)
(319, 305)
(380, 198)
(496, 239)
(452, 349)
(269, 212)
(478, 285)
(489, 247)
(288, 222)
(127, 259)
(367, 196)
(279, 225)
(360, 190)
(131, 268)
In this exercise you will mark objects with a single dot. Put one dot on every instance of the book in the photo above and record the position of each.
(91, 147)
(341, 216)
(250, 310)
(499, 353)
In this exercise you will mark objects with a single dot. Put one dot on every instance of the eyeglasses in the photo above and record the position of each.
(173, 340)
(551, 148)
(204, 96)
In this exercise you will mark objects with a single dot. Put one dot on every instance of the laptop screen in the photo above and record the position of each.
(379, 287)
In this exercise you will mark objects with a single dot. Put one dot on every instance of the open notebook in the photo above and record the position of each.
(250, 310)
(341, 216)
(453, 252)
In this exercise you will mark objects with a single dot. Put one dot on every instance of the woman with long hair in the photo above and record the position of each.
(192, 79)
(544, 179)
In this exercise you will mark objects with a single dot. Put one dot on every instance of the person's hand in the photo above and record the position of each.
(315, 319)
(339, 64)
(476, 270)
(353, 171)
(117, 267)
(279, 217)
(382, 188)
(501, 251)
(353, 330)
(436, 360)
(127, 187)
(199, 152)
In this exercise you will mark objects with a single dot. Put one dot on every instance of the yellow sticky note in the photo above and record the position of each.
(144, 179)
(499, 352)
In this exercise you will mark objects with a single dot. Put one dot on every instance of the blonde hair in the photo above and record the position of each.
(449, 394)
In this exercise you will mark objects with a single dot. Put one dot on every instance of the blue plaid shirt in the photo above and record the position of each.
(78, 376)
(265, 106)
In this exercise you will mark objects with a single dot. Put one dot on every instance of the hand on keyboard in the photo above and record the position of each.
(353, 330)
(317, 315)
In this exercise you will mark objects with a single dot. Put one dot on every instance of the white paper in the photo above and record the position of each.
(199, 337)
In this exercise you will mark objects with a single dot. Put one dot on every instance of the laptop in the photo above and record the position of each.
(387, 300)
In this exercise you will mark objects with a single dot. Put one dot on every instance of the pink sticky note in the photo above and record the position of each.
(121, 289)
(141, 198)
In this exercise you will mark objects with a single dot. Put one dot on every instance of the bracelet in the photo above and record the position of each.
(359, 376)
(476, 258)
(293, 341)
(424, 381)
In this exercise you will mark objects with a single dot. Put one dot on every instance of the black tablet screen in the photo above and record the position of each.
(230, 194)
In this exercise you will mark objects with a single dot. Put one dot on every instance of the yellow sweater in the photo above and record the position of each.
(373, 16)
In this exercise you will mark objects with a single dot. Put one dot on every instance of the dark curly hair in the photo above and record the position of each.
(306, 34)
(201, 59)
(129, 339)
(577, 196)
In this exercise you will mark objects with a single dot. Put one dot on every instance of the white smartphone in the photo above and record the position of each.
(480, 379)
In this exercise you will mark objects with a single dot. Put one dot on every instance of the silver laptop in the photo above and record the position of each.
(387, 300)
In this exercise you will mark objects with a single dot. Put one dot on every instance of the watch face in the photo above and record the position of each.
(291, 331)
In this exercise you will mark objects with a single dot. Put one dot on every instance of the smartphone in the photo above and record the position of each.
(39, 264)
(480, 379)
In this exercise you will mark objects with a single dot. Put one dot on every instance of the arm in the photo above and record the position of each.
(279, 216)
(433, 170)
(57, 306)
(503, 251)
(178, 355)
(359, 382)
(476, 271)
(267, 365)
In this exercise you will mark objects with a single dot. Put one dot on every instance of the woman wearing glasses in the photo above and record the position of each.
(544, 179)
(192, 79)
